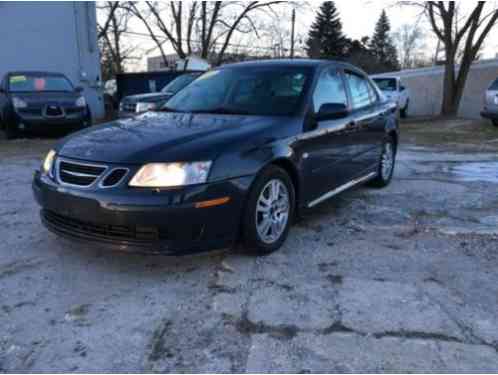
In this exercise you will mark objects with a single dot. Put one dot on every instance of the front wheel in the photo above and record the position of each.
(269, 211)
(387, 161)
(8, 131)
(404, 111)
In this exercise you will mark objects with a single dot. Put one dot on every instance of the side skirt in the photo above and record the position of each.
(341, 188)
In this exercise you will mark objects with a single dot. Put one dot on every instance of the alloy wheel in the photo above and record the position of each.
(387, 161)
(272, 211)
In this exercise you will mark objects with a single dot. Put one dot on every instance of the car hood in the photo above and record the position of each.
(147, 98)
(166, 137)
(390, 94)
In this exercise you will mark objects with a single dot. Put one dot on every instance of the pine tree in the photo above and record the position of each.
(382, 47)
(325, 38)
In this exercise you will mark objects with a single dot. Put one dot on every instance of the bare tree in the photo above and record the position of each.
(410, 43)
(277, 30)
(115, 51)
(110, 8)
(205, 28)
(458, 31)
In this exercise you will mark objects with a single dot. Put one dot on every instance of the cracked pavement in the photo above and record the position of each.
(402, 279)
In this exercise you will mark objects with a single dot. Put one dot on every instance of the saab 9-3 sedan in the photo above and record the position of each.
(235, 156)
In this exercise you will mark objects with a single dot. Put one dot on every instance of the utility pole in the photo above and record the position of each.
(292, 32)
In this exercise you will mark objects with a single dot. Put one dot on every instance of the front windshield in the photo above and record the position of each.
(39, 82)
(265, 91)
(386, 84)
(179, 83)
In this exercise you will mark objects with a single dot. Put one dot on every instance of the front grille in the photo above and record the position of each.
(31, 111)
(79, 174)
(74, 110)
(102, 231)
(53, 111)
(115, 177)
(129, 107)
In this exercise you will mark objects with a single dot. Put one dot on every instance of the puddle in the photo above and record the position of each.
(476, 171)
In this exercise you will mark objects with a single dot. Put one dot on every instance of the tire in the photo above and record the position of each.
(404, 111)
(7, 131)
(495, 123)
(255, 239)
(384, 176)
(88, 119)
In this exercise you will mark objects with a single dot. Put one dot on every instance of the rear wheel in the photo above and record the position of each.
(387, 162)
(269, 211)
(495, 123)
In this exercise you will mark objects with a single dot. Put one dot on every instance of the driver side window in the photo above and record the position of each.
(329, 89)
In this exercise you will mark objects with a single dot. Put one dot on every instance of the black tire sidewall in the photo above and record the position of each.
(404, 111)
(251, 238)
(8, 132)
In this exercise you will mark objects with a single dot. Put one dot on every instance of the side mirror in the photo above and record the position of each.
(402, 88)
(330, 111)
(78, 89)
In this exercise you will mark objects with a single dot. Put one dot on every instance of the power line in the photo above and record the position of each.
(165, 39)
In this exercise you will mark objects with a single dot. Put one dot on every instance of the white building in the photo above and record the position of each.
(56, 37)
(156, 63)
(173, 62)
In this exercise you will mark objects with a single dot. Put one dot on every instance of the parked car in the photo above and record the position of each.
(41, 100)
(394, 90)
(235, 155)
(490, 110)
(134, 104)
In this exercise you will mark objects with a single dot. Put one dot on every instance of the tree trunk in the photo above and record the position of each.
(449, 107)
(454, 84)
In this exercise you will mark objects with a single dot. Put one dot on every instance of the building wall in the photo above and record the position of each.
(156, 63)
(426, 89)
(53, 36)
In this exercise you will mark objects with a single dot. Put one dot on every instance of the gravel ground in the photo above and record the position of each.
(402, 279)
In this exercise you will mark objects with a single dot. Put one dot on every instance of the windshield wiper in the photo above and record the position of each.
(223, 111)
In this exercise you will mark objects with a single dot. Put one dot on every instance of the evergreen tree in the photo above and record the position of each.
(382, 47)
(325, 38)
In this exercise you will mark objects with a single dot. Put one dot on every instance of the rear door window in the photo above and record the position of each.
(361, 92)
(330, 89)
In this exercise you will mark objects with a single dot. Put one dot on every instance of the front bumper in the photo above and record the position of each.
(28, 121)
(490, 115)
(164, 222)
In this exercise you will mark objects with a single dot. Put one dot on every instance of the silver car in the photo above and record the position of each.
(490, 110)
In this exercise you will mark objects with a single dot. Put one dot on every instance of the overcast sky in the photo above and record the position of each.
(358, 18)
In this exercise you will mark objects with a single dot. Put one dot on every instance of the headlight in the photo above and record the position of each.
(48, 163)
(157, 175)
(19, 103)
(81, 102)
(144, 107)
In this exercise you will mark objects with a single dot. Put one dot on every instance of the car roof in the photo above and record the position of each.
(299, 62)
